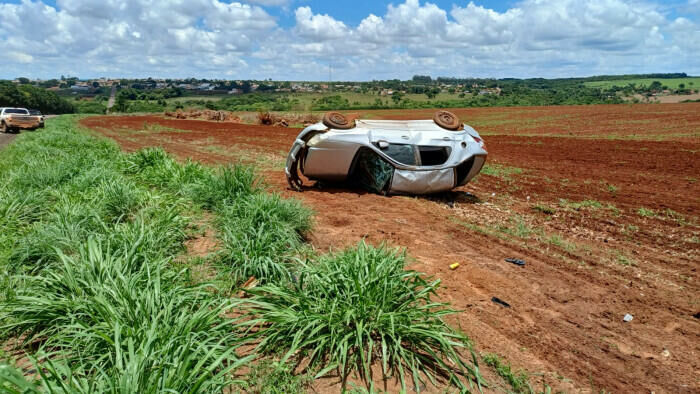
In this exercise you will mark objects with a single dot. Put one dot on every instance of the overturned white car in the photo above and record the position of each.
(388, 156)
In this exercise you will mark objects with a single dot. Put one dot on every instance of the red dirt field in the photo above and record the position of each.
(603, 207)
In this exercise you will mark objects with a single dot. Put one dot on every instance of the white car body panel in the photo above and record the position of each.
(329, 154)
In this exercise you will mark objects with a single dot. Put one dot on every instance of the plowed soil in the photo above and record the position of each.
(601, 201)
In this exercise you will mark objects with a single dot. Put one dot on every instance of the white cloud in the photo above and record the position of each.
(534, 38)
(20, 57)
(215, 38)
(319, 27)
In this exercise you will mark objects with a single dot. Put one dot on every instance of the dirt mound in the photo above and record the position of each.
(207, 114)
(285, 120)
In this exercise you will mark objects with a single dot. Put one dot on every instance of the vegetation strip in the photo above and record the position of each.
(91, 296)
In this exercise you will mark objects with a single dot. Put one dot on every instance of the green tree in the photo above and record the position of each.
(431, 93)
(397, 97)
(121, 104)
(28, 96)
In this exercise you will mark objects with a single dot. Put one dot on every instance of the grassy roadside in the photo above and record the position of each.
(90, 296)
(92, 301)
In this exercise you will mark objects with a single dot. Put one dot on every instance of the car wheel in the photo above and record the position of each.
(447, 120)
(336, 120)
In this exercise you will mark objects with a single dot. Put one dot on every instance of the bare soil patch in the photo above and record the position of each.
(607, 226)
(6, 138)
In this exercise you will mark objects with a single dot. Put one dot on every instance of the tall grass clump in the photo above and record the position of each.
(155, 167)
(64, 186)
(125, 322)
(228, 186)
(359, 308)
(261, 235)
(260, 232)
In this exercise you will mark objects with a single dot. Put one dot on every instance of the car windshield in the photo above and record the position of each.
(34, 112)
(16, 111)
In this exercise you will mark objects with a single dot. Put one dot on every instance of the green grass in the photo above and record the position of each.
(269, 377)
(578, 205)
(88, 285)
(260, 232)
(501, 171)
(672, 83)
(561, 242)
(195, 98)
(518, 381)
(158, 128)
(350, 310)
(611, 188)
(622, 259)
(261, 237)
(305, 100)
(646, 212)
(117, 319)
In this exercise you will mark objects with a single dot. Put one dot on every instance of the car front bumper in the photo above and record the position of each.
(434, 181)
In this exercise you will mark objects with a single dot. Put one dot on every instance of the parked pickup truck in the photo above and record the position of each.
(14, 119)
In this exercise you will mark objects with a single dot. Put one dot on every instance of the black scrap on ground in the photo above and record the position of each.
(500, 302)
(515, 261)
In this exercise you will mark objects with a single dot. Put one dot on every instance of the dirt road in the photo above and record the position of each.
(6, 138)
(112, 97)
(607, 227)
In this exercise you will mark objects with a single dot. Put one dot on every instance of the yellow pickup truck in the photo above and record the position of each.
(14, 119)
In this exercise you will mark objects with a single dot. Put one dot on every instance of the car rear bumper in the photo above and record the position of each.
(22, 124)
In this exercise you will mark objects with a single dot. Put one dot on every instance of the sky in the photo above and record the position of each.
(339, 40)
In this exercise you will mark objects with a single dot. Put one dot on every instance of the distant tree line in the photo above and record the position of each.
(31, 97)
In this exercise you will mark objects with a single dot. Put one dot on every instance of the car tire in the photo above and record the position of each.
(336, 120)
(447, 120)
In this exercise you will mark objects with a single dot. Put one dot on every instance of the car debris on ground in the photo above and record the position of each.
(515, 261)
(500, 302)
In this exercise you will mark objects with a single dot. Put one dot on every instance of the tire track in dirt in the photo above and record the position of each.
(566, 308)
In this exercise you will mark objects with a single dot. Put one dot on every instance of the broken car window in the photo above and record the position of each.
(404, 154)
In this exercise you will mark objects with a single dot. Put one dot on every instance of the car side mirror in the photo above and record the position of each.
(383, 144)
